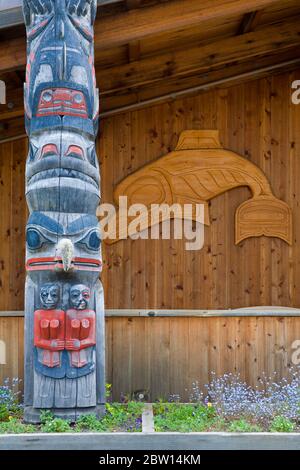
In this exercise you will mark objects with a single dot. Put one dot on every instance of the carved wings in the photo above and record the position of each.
(45, 7)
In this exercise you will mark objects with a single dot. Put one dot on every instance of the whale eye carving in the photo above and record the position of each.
(49, 150)
(74, 151)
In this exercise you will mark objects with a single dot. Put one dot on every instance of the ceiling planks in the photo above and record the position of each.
(148, 51)
(195, 60)
(169, 16)
(123, 28)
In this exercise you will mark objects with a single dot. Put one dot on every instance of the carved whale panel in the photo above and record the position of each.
(200, 169)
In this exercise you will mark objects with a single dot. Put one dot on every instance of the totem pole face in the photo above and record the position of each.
(49, 296)
(60, 80)
(57, 244)
(63, 244)
(69, 160)
(79, 296)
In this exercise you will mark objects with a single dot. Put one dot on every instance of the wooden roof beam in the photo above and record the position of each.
(250, 21)
(123, 28)
(12, 129)
(177, 69)
(190, 61)
(134, 47)
(169, 16)
(132, 4)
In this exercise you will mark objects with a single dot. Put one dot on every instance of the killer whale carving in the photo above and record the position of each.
(64, 312)
(200, 169)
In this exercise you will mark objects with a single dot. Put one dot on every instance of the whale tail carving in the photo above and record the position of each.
(198, 170)
(263, 215)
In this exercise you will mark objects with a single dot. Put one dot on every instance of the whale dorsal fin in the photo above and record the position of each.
(194, 140)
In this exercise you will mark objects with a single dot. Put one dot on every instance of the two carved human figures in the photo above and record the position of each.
(64, 313)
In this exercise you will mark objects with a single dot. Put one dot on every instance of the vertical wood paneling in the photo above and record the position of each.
(256, 119)
(5, 225)
(165, 355)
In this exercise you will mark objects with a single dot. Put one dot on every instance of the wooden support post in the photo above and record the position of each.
(64, 310)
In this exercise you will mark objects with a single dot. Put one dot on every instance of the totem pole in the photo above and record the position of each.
(64, 312)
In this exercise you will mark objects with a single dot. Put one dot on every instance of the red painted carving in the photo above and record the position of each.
(74, 151)
(63, 102)
(49, 149)
(49, 334)
(80, 334)
(55, 264)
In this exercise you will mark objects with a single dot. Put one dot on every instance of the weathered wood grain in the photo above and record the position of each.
(164, 356)
(219, 276)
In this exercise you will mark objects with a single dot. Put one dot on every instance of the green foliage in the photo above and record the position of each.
(10, 411)
(184, 418)
(88, 423)
(9, 400)
(282, 424)
(46, 416)
(107, 390)
(51, 424)
(56, 425)
(14, 426)
(118, 417)
(241, 425)
(4, 413)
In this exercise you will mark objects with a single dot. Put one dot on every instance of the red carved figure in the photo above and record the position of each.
(80, 325)
(49, 327)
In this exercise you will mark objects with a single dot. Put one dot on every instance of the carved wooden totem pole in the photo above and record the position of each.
(64, 313)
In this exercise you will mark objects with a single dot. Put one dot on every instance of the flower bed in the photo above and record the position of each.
(181, 417)
(119, 417)
(227, 404)
(230, 405)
